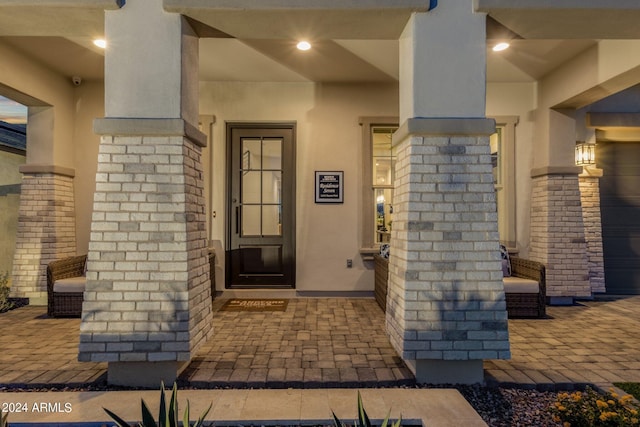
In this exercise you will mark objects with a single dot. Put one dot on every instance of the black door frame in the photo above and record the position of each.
(290, 240)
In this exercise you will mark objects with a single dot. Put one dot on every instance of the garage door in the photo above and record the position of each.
(620, 207)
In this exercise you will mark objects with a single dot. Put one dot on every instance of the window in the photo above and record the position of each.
(383, 165)
(378, 176)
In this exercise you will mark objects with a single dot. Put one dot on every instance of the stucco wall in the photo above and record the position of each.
(89, 104)
(328, 138)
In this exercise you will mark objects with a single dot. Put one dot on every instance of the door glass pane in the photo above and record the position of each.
(250, 189)
(271, 221)
(272, 154)
(271, 182)
(250, 220)
(250, 157)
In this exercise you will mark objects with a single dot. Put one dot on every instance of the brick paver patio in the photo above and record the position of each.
(315, 343)
(333, 342)
(593, 342)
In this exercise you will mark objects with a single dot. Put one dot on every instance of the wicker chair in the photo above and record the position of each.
(528, 304)
(381, 280)
(518, 304)
(65, 304)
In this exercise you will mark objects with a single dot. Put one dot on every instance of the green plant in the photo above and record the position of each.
(166, 417)
(5, 303)
(632, 388)
(363, 418)
(593, 409)
(3, 419)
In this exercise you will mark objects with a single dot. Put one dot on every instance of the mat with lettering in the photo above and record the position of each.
(255, 305)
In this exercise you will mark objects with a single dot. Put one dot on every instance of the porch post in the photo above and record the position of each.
(46, 217)
(557, 229)
(147, 305)
(445, 307)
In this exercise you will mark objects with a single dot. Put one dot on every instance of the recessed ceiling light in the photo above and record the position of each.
(500, 46)
(101, 43)
(303, 45)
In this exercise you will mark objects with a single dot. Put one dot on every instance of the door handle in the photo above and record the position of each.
(237, 219)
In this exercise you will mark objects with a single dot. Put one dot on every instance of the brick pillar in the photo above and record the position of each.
(148, 302)
(46, 228)
(147, 307)
(446, 308)
(589, 182)
(557, 233)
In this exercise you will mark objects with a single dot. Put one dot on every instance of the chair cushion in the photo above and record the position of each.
(70, 284)
(518, 285)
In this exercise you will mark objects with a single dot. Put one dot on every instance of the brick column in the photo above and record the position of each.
(46, 228)
(147, 307)
(589, 182)
(557, 233)
(148, 302)
(446, 310)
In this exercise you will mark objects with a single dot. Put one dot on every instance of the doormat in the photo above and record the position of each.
(255, 305)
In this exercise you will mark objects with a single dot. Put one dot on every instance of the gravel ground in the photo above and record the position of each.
(509, 407)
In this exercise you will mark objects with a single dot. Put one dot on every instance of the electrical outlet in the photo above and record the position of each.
(349, 263)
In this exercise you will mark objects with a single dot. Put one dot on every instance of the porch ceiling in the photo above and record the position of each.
(351, 43)
(54, 17)
(566, 19)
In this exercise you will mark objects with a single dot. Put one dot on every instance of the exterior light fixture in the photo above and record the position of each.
(101, 43)
(303, 45)
(585, 153)
(500, 46)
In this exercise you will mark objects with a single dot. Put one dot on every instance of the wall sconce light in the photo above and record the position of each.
(585, 153)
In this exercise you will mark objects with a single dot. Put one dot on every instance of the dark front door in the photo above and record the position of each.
(261, 171)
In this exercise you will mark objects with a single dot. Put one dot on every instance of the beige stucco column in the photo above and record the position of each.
(147, 304)
(445, 307)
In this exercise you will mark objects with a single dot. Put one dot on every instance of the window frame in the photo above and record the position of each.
(507, 221)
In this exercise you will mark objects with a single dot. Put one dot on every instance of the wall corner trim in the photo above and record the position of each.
(149, 127)
(445, 126)
(556, 170)
(38, 169)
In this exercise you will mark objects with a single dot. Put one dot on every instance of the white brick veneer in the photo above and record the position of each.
(446, 296)
(148, 295)
(46, 231)
(590, 199)
(557, 235)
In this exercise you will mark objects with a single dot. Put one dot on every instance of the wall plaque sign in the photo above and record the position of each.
(329, 187)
